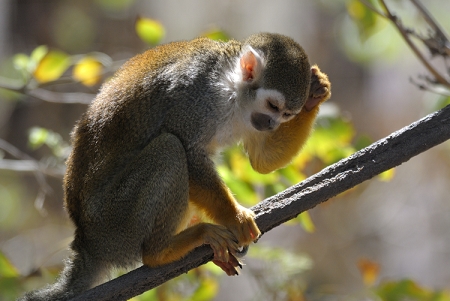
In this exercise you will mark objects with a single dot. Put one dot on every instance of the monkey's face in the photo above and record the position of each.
(269, 110)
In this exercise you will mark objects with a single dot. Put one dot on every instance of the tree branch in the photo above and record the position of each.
(385, 154)
(33, 166)
(436, 44)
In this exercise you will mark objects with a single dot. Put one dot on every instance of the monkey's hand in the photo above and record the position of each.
(320, 89)
(243, 226)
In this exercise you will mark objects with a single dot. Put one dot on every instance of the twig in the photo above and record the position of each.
(385, 154)
(432, 89)
(62, 97)
(46, 95)
(430, 20)
(38, 173)
(405, 34)
(37, 90)
(30, 166)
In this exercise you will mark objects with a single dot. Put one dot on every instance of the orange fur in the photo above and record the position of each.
(269, 151)
(274, 150)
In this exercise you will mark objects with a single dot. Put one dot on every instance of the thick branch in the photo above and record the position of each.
(385, 154)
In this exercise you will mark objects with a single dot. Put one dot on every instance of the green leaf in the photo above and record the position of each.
(331, 140)
(21, 61)
(242, 169)
(150, 31)
(365, 18)
(37, 137)
(409, 290)
(241, 189)
(40, 136)
(442, 102)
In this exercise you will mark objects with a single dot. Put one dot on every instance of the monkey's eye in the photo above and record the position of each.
(287, 115)
(273, 106)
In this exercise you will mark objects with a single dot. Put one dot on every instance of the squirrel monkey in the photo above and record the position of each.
(142, 152)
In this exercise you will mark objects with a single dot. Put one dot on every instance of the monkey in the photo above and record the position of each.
(142, 156)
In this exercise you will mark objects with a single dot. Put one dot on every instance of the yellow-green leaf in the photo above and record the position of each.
(306, 222)
(51, 66)
(38, 53)
(88, 71)
(217, 35)
(409, 290)
(331, 140)
(150, 31)
(206, 291)
(6, 268)
(21, 61)
(293, 173)
(365, 18)
(243, 191)
(387, 175)
(37, 137)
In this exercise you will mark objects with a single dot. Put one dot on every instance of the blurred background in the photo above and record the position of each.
(385, 239)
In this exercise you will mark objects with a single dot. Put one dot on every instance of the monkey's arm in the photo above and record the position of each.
(208, 192)
(276, 149)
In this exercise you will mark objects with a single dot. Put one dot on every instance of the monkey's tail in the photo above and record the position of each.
(81, 272)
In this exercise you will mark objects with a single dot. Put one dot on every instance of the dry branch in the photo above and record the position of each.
(384, 154)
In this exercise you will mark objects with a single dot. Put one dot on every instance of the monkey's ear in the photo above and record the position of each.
(251, 65)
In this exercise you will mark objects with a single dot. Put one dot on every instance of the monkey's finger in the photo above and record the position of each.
(254, 232)
(235, 262)
(220, 253)
(228, 268)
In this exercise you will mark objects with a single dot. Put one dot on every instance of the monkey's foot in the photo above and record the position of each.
(231, 266)
(221, 240)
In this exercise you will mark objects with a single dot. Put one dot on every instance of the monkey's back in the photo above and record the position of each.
(154, 92)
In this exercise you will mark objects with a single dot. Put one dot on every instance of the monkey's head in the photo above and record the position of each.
(274, 77)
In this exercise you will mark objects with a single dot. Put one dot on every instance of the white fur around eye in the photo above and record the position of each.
(276, 97)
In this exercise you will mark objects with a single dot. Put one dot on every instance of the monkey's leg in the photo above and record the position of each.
(208, 192)
(218, 237)
(163, 202)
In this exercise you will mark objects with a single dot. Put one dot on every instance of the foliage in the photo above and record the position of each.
(331, 141)
(150, 31)
(409, 290)
(334, 138)
(9, 279)
(88, 71)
